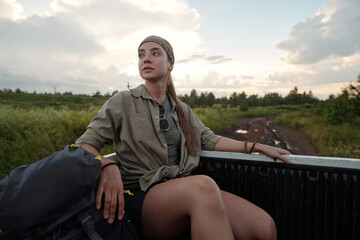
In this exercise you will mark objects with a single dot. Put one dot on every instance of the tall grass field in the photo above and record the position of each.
(331, 140)
(30, 132)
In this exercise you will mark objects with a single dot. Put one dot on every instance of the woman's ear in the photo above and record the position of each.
(171, 67)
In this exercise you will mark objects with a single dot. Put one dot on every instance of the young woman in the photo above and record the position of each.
(157, 140)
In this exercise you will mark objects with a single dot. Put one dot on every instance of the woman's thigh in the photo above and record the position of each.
(247, 220)
(167, 206)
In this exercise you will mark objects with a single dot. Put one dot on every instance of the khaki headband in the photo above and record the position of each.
(163, 43)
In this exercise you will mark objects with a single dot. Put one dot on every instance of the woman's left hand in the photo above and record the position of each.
(273, 152)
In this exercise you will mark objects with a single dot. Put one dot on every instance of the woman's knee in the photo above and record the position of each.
(204, 185)
(267, 230)
(271, 229)
(206, 192)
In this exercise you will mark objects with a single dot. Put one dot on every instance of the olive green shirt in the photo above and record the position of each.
(130, 121)
(172, 136)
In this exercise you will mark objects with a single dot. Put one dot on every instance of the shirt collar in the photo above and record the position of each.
(140, 91)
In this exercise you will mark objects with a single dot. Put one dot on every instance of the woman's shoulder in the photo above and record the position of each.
(120, 96)
(117, 100)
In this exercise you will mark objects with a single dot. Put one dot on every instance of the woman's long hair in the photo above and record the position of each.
(183, 122)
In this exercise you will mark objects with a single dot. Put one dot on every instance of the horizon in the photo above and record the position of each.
(109, 94)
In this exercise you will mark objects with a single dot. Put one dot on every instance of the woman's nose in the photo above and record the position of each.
(147, 58)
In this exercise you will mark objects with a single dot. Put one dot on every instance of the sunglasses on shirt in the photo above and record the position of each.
(164, 123)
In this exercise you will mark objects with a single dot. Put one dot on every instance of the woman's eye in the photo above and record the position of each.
(156, 53)
(141, 55)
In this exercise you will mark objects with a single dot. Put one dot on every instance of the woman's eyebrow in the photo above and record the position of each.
(152, 49)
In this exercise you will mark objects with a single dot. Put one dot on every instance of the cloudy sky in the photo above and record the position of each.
(223, 46)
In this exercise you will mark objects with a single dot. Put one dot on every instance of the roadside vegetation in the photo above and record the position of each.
(33, 126)
(333, 125)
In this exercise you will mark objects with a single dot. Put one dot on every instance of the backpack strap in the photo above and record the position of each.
(89, 228)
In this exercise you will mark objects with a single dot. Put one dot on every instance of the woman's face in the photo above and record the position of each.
(153, 62)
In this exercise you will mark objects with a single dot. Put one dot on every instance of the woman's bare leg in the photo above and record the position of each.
(247, 220)
(194, 201)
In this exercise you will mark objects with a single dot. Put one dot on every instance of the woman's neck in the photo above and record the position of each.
(157, 90)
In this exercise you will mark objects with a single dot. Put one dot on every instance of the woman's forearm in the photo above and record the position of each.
(230, 145)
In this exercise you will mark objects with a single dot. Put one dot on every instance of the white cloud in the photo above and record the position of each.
(38, 35)
(10, 9)
(89, 45)
(322, 77)
(117, 24)
(323, 52)
(334, 31)
(38, 51)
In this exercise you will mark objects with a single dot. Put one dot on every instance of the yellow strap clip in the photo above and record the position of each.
(128, 192)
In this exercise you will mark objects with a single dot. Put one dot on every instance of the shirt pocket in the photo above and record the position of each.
(142, 127)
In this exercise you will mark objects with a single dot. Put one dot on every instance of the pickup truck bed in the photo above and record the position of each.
(313, 198)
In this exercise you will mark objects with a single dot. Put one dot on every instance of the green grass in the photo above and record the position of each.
(30, 134)
(30, 131)
(330, 140)
(28, 100)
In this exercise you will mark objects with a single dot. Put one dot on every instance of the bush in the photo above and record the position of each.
(345, 107)
(339, 110)
(244, 106)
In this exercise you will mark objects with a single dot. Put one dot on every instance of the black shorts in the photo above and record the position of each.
(133, 209)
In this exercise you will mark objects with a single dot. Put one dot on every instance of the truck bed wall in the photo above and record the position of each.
(319, 201)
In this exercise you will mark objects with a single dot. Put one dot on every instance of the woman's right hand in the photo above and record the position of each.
(111, 186)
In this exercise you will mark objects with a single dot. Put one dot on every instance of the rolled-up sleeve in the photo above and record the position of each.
(103, 129)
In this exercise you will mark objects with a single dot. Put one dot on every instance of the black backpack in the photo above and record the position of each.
(54, 198)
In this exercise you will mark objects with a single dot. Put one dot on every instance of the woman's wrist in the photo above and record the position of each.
(104, 160)
(109, 164)
(258, 147)
(250, 147)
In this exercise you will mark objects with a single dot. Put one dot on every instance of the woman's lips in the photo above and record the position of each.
(147, 69)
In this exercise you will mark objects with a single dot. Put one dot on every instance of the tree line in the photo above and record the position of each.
(337, 109)
(244, 101)
(208, 99)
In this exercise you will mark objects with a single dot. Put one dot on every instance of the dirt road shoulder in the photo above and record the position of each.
(263, 130)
